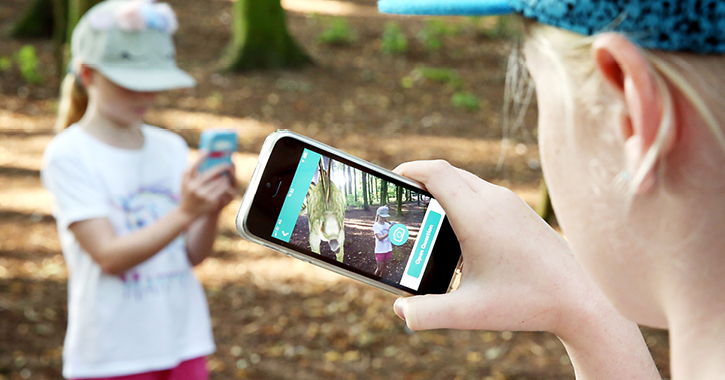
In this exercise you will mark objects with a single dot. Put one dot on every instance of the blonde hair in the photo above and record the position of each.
(571, 55)
(73, 102)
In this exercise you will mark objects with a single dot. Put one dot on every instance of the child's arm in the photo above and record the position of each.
(200, 194)
(117, 255)
(201, 234)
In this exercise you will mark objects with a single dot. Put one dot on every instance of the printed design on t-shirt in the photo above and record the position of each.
(137, 285)
(141, 209)
(146, 205)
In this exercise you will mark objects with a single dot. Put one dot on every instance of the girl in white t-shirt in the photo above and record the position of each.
(383, 246)
(132, 218)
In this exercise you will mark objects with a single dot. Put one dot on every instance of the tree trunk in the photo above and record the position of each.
(260, 38)
(365, 191)
(354, 182)
(76, 9)
(36, 21)
(399, 196)
(383, 193)
(60, 35)
(346, 181)
(52, 19)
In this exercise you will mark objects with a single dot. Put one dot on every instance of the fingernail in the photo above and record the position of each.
(398, 307)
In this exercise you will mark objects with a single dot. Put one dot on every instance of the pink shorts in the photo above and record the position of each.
(192, 369)
(384, 256)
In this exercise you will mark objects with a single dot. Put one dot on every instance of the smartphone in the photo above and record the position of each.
(219, 145)
(326, 207)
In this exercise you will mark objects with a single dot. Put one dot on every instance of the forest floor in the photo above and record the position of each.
(275, 317)
(359, 241)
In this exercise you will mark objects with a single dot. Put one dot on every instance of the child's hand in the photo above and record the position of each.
(232, 189)
(209, 191)
(519, 274)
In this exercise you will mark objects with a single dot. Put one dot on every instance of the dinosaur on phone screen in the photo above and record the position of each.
(326, 207)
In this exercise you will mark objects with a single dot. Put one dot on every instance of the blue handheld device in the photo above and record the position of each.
(220, 144)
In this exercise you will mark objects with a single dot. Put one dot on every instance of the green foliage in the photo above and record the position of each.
(215, 100)
(497, 27)
(337, 32)
(466, 100)
(28, 63)
(441, 75)
(5, 64)
(393, 40)
(433, 34)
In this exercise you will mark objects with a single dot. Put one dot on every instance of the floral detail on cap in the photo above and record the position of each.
(102, 20)
(135, 16)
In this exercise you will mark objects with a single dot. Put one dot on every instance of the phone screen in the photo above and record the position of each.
(336, 210)
(359, 219)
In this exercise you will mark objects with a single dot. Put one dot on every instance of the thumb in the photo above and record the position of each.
(434, 311)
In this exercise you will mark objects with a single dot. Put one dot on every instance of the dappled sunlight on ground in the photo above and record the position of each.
(22, 151)
(270, 272)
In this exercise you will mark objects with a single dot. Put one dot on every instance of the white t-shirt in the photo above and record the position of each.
(382, 246)
(155, 315)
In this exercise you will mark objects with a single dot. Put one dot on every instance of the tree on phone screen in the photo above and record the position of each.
(399, 199)
(366, 205)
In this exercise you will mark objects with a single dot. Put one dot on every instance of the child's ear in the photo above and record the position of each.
(625, 68)
(85, 75)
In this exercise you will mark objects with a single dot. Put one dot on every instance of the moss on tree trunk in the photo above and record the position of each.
(260, 38)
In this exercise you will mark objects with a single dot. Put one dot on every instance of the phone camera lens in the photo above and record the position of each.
(269, 184)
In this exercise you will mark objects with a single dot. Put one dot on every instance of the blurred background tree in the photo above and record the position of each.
(51, 19)
(36, 20)
(260, 39)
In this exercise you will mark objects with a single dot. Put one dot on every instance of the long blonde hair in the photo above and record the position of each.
(73, 102)
(571, 54)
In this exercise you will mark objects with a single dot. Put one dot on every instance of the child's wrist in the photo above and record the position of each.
(184, 217)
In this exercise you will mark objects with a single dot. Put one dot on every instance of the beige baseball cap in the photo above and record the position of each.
(130, 42)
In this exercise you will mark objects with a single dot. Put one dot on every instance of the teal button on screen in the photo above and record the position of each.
(296, 195)
(398, 234)
(424, 244)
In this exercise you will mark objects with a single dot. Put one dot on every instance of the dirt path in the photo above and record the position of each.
(359, 241)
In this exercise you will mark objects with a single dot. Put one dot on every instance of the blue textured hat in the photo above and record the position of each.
(676, 25)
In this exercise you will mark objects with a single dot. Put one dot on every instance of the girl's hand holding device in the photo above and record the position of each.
(518, 274)
(210, 183)
(298, 178)
(218, 146)
(207, 191)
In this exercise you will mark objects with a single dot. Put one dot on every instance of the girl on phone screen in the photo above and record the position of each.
(383, 246)
(132, 218)
(631, 106)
